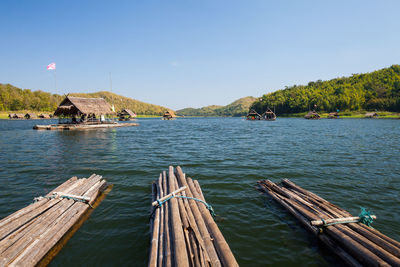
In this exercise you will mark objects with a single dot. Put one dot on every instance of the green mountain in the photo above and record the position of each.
(236, 109)
(378, 90)
(14, 98)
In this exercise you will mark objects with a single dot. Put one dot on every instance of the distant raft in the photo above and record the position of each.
(345, 235)
(183, 231)
(35, 234)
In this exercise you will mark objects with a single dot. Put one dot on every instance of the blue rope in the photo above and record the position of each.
(365, 217)
(208, 206)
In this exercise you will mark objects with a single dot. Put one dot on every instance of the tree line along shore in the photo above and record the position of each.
(353, 96)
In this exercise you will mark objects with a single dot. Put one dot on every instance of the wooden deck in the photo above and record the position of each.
(82, 126)
(35, 234)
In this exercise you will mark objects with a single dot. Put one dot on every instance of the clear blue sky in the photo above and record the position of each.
(193, 53)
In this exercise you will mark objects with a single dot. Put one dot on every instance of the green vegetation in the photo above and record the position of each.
(378, 90)
(235, 109)
(13, 98)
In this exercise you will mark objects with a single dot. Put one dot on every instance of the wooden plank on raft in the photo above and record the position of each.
(355, 243)
(187, 234)
(36, 233)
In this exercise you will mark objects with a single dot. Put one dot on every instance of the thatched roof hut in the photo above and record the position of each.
(44, 116)
(126, 114)
(11, 115)
(73, 106)
(253, 115)
(268, 115)
(169, 115)
(30, 116)
(333, 115)
(19, 116)
(371, 115)
(312, 115)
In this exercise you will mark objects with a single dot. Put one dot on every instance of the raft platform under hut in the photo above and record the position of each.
(253, 115)
(333, 115)
(312, 115)
(35, 234)
(371, 115)
(268, 115)
(169, 115)
(126, 115)
(30, 116)
(79, 113)
(349, 237)
(183, 231)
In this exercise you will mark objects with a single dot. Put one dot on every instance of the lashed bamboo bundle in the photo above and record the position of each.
(355, 243)
(29, 235)
(183, 230)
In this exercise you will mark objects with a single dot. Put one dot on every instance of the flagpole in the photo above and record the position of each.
(55, 80)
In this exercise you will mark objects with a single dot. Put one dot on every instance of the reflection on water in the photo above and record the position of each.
(352, 163)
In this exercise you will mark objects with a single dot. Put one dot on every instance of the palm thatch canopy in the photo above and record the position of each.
(11, 115)
(312, 115)
(77, 106)
(169, 114)
(253, 115)
(126, 112)
(30, 116)
(269, 115)
(371, 115)
(44, 116)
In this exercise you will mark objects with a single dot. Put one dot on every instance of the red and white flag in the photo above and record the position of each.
(51, 66)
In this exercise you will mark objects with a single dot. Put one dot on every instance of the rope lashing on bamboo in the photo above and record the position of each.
(364, 217)
(66, 196)
(208, 206)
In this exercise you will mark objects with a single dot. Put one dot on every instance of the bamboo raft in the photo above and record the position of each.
(352, 241)
(82, 126)
(35, 234)
(183, 230)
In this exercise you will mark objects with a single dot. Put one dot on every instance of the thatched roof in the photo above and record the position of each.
(30, 116)
(76, 106)
(268, 111)
(127, 112)
(11, 115)
(169, 113)
(334, 114)
(253, 113)
(18, 116)
(312, 114)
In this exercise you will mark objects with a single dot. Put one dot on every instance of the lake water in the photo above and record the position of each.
(351, 162)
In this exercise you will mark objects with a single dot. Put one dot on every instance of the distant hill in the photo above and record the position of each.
(14, 98)
(236, 109)
(378, 90)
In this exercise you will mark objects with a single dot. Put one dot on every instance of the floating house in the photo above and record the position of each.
(268, 115)
(127, 115)
(83, 113)
(371, 115)
(30, 116)
(11, 115)
(44, 116)
(312, 115)
(83, 110)
(253, 115)
(169, 115)
(333, 115)
(18, 116)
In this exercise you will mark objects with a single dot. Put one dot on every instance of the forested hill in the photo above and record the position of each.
(376, 90)
(235, 109)
(13, 98)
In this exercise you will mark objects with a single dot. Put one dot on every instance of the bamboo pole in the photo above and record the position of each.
(180, 253)
(161, 231)
(167, 237)
(154, 241)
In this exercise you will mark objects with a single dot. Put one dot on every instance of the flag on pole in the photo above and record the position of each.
(51, 66)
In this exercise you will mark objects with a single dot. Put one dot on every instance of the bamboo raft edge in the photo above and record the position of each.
(66, 127)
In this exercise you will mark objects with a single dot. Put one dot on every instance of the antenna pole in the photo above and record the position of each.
(110, 82)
